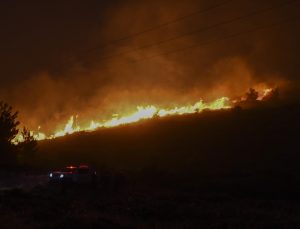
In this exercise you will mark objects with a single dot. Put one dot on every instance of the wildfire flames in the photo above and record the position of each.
(141, 113)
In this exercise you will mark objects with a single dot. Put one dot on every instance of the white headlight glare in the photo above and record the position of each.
(50, 175)
(61, 176)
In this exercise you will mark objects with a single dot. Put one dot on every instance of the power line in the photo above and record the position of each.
(228, 37)
(219, 39)
(165, 24)
(257, 12)
(201, 29)
(139, 33)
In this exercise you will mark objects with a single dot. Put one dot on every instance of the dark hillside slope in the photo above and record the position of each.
(212, 143)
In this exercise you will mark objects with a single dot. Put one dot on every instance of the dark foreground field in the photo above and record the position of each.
(226, 169)
(138, 206)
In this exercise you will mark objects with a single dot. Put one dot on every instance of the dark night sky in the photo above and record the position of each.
(55, 53)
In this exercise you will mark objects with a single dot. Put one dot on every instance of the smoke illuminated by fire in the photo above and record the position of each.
(158, 54)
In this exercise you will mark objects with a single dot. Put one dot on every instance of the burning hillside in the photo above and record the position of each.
(148, 112)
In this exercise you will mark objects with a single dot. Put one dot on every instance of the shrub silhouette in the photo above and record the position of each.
(251, 95)
(8, 131)
(27, 148)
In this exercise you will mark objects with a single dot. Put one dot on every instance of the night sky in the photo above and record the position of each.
(93, 58)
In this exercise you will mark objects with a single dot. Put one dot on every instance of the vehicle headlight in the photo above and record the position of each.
(61, 176)
(50, 175)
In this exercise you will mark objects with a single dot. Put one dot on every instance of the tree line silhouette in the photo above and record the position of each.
(14, 153)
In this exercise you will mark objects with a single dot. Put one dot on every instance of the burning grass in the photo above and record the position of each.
(146, 113)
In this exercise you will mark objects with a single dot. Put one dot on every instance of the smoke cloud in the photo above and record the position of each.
(62, 59)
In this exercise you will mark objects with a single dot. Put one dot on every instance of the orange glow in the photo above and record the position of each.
(71, 167)
(265, 93)
(141, 113)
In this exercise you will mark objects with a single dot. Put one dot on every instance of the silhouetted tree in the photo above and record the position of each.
(250, 100)
(8, 131)
(28, 147)
(252, 95)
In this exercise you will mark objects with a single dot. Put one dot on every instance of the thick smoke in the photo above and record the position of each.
(63, 59)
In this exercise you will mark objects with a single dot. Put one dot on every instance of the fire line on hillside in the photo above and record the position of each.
(141, 113)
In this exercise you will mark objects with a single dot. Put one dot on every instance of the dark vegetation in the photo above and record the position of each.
(14, 156)
(225, 169)
(8, 131)
(235, 143)
(145, 206)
